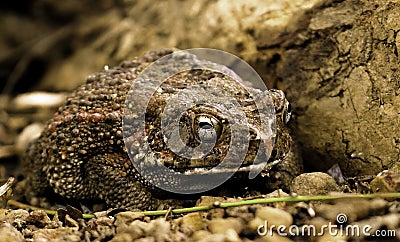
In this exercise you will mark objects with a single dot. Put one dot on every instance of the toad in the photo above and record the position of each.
(94, 147)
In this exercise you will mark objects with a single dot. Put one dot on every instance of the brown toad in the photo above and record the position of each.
(81, 154)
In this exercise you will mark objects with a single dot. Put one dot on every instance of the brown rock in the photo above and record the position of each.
(9, 233)
(220, 225)
(386, 181)
(274, 217)
(194, 220)
(315, 183)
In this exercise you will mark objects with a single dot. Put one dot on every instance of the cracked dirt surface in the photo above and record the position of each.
(349, 104)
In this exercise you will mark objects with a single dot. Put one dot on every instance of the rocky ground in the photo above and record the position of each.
(345, 219)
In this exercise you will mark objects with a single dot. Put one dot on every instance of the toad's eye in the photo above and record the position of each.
(207, 128)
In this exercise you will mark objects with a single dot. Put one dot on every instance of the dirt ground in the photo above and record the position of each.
(337, 62)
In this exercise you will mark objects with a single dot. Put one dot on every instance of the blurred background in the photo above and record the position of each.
(337, 62)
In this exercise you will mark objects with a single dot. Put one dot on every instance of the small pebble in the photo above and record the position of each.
(122, 237)
(221, 225)
(70, 222)
(351, 209)
(29, 133)
(209, 200)
(200, 235)
(17, 218)
(332, 237)
(386, 181)
(160, 229)
(318, 222)
(38, 100)
(62, 234)
(214, 238)
(39, 218)
(232, 236)
(274, 216)
(9, 233)
(194, 220)
(123, 219)
(315, 183)
(102, 228)
(274, 238)
(136, 229)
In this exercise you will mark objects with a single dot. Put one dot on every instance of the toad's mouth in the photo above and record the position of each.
(223, 170)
